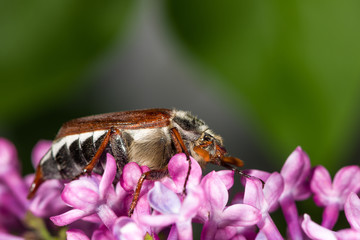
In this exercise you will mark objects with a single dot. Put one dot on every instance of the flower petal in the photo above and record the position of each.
(215, 192)
(107, 215)
(295, 170)
(347, 234)
(321, 185)
(254, 195)
(226, 233)
(173, 234)
(164, 200)
(209, 230)
(178, 167)
(352, 211)
(273, 189)
(227, 177)
(8, 157)
(76, 234)
(184, 230)
(7, 236)
(39, 151)
(81, 193)
(239, 215)
(315, 231)
(130, 176)
(108, 176)
(126, 229)
(68, 217)
(10, 208)
(102, 233)
(347, 180)
(192, 203)
(159, 220)
(47, 201)
(259, 174)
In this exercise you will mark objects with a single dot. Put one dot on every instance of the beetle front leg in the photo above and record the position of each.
(181, 148)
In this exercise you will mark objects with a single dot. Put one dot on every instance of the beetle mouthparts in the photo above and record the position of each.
(233, 161)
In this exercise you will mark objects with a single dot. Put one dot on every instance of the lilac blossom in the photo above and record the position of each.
(95, 199)
(13, 191)
(95, 207)
(90, 195)
(126, 228)
(126, 187)
(332, 195)
(295, 173)
(352, 212)
(215, 186)
(76, 234)
(263, 200)
(178, 168)
(10, 176)
(217, 216)
(14, 205)
(173, 210)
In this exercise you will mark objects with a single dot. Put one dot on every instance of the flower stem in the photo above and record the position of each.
(330, 216)
(268, 227)
(290, 212)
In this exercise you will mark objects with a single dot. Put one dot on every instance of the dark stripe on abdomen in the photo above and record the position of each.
(86, 146)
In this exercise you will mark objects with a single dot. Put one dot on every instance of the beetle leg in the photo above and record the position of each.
(88, 169)
(149, 175)
(37, 182)
(178, 142)
(180, 147)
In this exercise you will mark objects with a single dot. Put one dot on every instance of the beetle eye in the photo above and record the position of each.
(207, 137)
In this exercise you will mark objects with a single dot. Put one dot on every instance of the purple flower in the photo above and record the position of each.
(172, 210)
(126, 187)
(332, 196)
(39, 151)
(90, 195)
(126, 228)
(102, 233)
(10, 176)
(295, 173)
(95, 208)
(217, 216)
(352, 212)
(264, 200)
(178, 168)
(6, 236)
(76, 234)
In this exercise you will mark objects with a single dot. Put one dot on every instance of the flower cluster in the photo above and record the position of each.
(95, 207)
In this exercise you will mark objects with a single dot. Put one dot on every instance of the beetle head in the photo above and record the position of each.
(205, 146)
(210, 148)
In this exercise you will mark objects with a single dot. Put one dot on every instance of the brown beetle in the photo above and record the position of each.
(148, 137)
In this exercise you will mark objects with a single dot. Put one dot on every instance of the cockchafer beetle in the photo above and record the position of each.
(148, 137)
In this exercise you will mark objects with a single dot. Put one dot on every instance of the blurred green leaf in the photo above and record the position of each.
(47, 46)
(294, 64)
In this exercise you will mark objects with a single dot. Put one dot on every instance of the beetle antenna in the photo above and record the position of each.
(241, 173)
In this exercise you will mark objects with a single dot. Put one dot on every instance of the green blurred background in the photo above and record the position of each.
(267, 76)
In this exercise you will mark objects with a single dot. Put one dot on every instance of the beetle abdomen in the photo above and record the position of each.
(68, 155)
